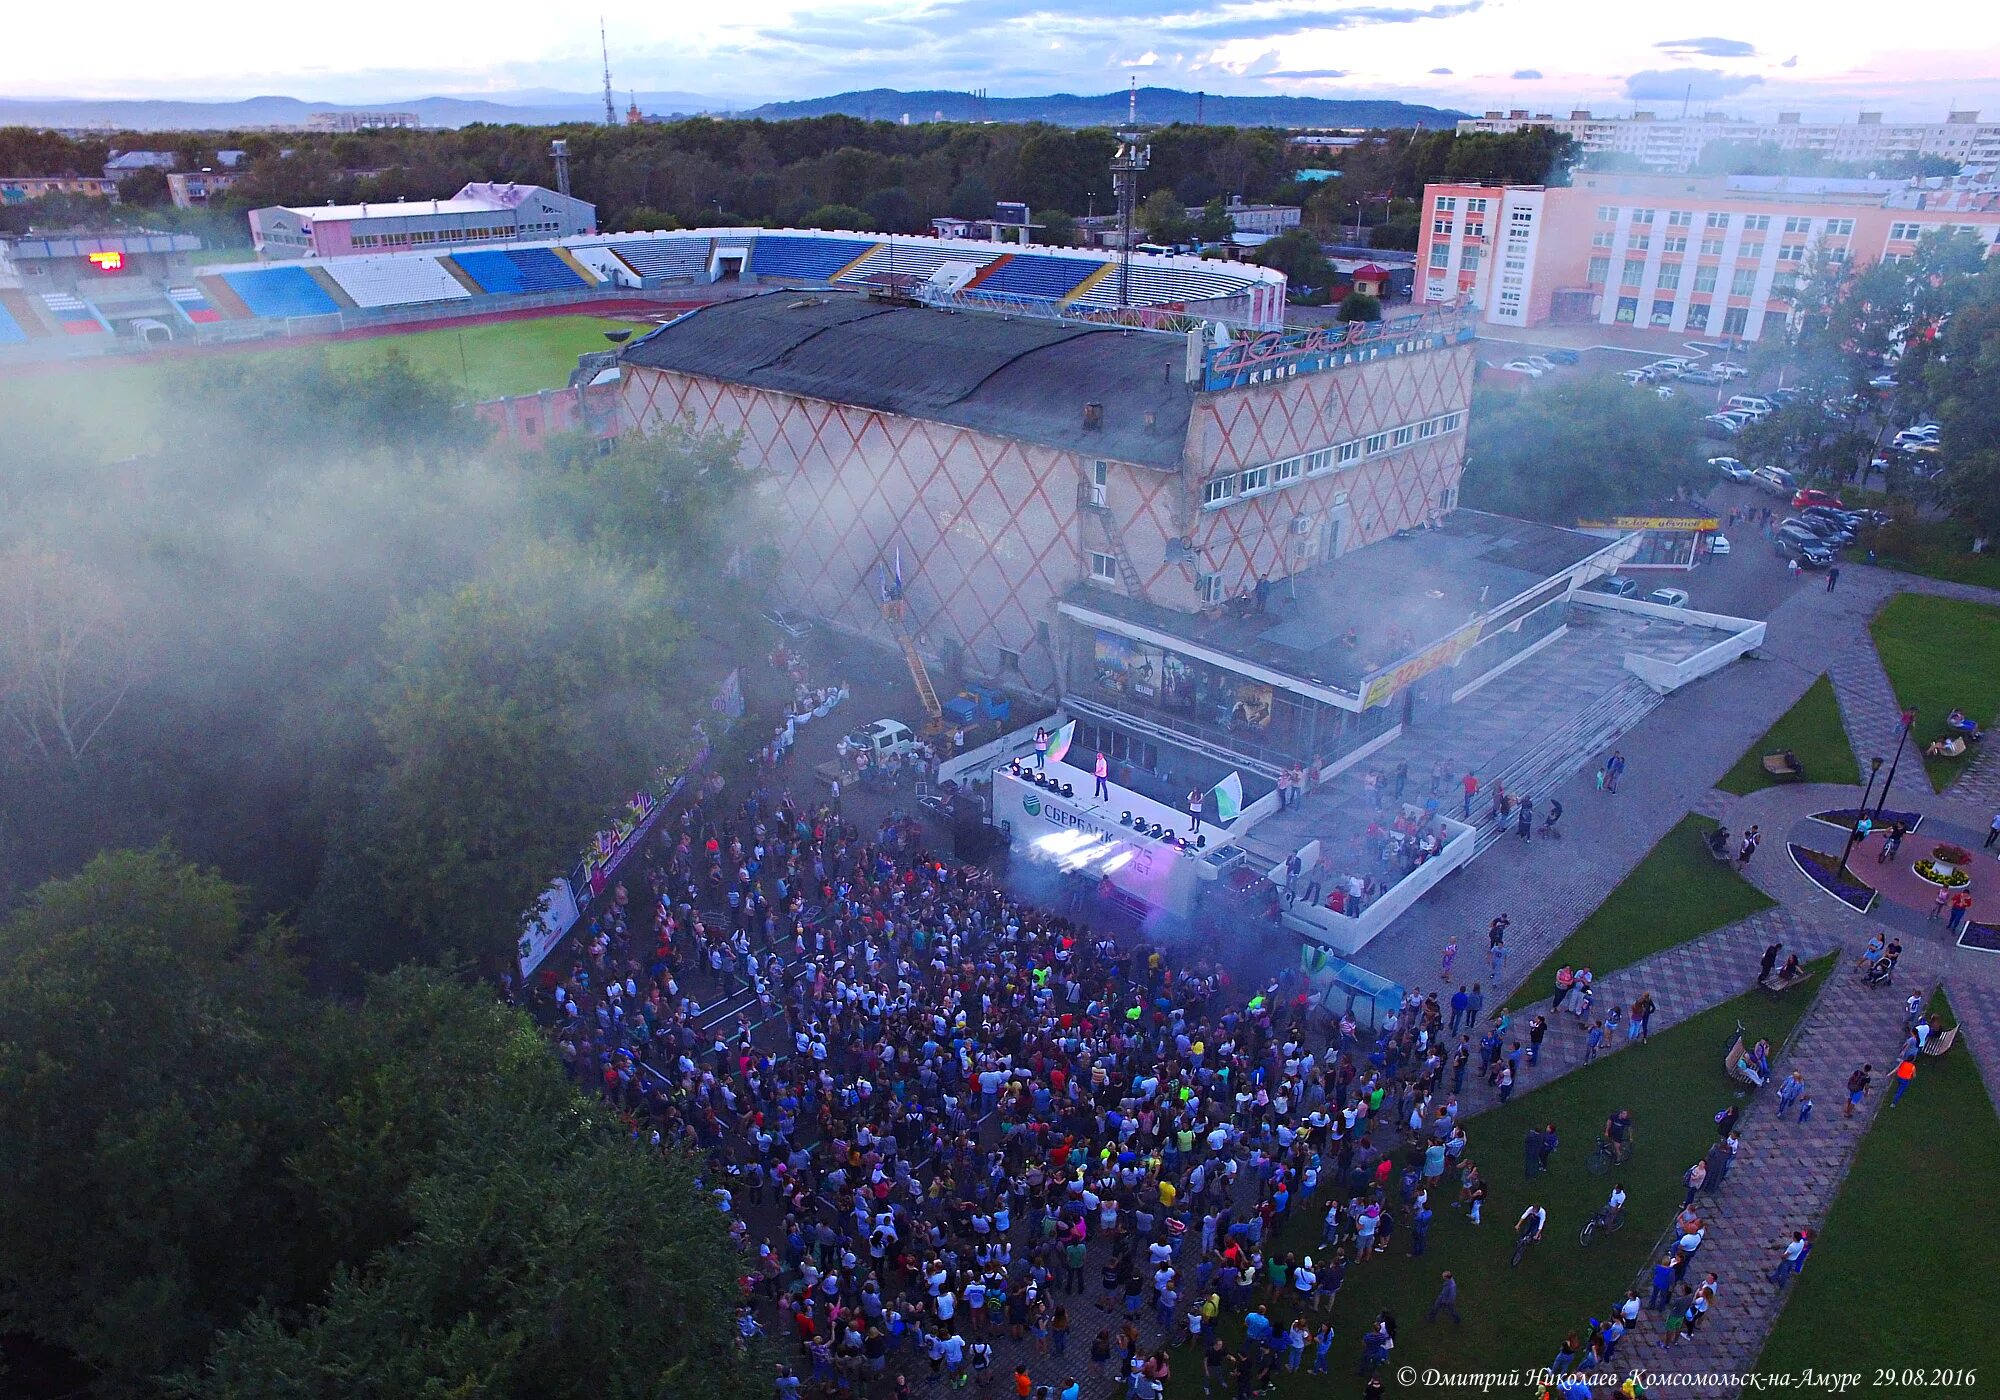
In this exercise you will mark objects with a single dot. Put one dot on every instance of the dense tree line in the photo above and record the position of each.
(326, 639)
(831, 171)
(1576, 448)
(216, 1186)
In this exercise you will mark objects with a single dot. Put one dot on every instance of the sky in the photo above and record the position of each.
(1827, 58)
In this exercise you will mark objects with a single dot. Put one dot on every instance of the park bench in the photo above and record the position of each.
(1786, 768)
(1737, 1063)
(1778, 986)
(1941, 1042)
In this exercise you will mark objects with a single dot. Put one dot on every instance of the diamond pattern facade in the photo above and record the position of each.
(990, 531)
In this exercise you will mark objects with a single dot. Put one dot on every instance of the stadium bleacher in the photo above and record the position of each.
(1157, 283)
(518, 270)
(73, 314)
(685, 258)
(394, 281)
(1036, 275)
(279, 292)
(193, 305)
(802, 257)
(915, 261)
(11, 330)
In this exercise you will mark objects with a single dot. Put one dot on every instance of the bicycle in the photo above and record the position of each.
(1602, 1157)
(1521, 1243)
(1605, 1221)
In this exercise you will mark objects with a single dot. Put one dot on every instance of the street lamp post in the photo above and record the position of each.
(1909, 719)
(1854, 831)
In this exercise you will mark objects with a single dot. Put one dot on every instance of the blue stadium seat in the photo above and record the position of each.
(503, 271)
(278, 292)
(10, 329)
(806, 259)
(1037, 275)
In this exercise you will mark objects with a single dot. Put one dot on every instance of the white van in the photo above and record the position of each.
(1754, 404)
(1776, 480)
(885, 738)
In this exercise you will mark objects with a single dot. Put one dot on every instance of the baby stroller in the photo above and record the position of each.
(1879, 973)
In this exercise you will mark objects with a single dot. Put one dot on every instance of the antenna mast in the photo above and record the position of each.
(1130, 159)
(1132, 103)
(610, 108)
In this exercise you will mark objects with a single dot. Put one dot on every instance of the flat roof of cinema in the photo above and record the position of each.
(397, 209)
(1012, 377)
(1426, 584)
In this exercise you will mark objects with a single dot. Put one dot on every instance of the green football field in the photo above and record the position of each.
(110, 404)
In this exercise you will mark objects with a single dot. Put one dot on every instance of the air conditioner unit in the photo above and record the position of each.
(1302, 524)
(1179, 551)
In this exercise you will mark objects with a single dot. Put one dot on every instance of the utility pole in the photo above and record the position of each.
(610, 107)
(1131, 158)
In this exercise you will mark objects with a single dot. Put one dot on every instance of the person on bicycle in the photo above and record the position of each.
(1614, 1207)
(1529, 1227)
(1552, 816)
(1618, 1133)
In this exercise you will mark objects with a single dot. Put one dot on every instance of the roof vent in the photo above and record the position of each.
(1093, 416)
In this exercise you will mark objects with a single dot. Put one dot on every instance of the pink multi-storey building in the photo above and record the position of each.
(1690, 255)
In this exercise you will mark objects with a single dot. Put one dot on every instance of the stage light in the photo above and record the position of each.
(1068, 791)
(1201, 842)
(1124, 819)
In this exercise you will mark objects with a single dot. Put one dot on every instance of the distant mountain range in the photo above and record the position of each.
(1109, 109)
(545, 107)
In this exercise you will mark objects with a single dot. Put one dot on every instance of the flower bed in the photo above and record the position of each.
(1948, 854)
(1845, 817)
(1949, 876)
(1824, 870)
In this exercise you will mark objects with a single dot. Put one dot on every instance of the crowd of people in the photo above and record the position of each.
(937, 1118)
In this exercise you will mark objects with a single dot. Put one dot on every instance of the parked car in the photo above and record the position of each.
(1813, 496)
(1616, 586)
(1882, 381)
(1825, 531)
(1664, 369)
(1668, 597)
(1797, 532)
(1636, 377)
(1522, 367)
(1729, 369)
(1877, 518)
(1730, 467)
(1776, 480)
(1664, 391)
(1754, 404)
(885, 738)
(1721, 425)
(1813, 556)
(1698, 375)
(1843, 519)
(1563, 357)
(1541, 362)
(1718, 543)
(792, 624)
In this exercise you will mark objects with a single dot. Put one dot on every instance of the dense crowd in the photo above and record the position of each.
(939, 1119)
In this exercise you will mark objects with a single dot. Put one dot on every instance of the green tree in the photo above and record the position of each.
(1575, 449)
(1164, 218)
(838, 216)
(518, 712)
(1964, 381)
(1360, 306)
(1216, 224)
(1058, 228)
(1298, 255)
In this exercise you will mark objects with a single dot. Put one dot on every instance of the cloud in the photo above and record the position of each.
(1237, 23)
(1708, 48)
(1526, 75)
(1305, 74)
(1702, 84)
(1791, 62)
(1441, 72)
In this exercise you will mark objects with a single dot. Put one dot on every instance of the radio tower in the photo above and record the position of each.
(610, 107)
(1130, 159)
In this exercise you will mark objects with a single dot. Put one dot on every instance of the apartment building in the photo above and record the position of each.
(1677, 143)
(1708, 255)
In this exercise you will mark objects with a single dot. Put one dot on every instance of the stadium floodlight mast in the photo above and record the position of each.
(1130, 159)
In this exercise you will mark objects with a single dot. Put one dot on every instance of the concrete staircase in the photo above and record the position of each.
(1550, 757)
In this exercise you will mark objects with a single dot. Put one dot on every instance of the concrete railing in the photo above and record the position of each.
(1350, 935)
(1742, 635)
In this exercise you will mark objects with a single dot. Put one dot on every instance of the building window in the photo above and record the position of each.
(1428, 428)
(1347, 453)
(1103, 567)
(1905, 233)
(1742, 281)
(1603, 238)
(1752, 251)
(1642, 216)
(1676, 244)
(1287, 471)
(1319, 462)
(1451, 421)
(1680, 218)
(1599, 269)
(1208, 587)
(1475, 206)
(1704, 279)
(1402, 437)
(1441, 227)
(1633, 272)
(1670, 276)
(1471, 258)
(1606, 214)
(1798, 223)
(1252, 479)
(1791, 252)
(1522, 216)
(1839, 228)
(1517, 264)
(1756, 223)
(1718, 221)
(1447, 203)
(1440, 257)
(1711, 247)
(1376, 443)
(1641, 242)
(1217, 490)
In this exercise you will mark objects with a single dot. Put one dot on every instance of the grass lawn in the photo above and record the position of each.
(1679, 891)
(1940, 654)
(1517, 1318)
(1892, 1278)
(1937, 549)
(111, 405)
(1812, 730)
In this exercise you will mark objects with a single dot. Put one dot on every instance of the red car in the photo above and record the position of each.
(1811, 497)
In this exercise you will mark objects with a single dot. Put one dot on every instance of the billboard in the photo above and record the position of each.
(1435, 657)
(1010, 213)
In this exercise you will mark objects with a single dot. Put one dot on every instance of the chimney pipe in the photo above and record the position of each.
(1093, 416)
